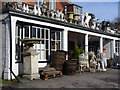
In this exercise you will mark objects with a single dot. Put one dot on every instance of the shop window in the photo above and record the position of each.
(117, 47)
(55, 40)
(26, 31)
(33, 32)
(38, 32)
(17, 42)
(43, 48)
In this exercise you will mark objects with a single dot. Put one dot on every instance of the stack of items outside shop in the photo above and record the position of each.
(49, 72)
(57, 60)
(83, 62)
(70, 67)
(92, 61)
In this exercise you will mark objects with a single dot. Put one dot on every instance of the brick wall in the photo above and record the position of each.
(32, 2)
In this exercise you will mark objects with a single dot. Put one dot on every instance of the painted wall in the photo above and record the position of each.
(5, 47)
(65, 45)
(3, 28)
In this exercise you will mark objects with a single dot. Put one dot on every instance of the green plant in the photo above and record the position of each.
(78, 51)
(5, 81)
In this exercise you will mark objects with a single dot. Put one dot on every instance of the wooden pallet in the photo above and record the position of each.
(51, 74)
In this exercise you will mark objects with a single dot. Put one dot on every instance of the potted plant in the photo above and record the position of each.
(78, 51)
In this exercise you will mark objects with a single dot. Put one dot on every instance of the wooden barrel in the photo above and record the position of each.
(57, 59)
(69, 67)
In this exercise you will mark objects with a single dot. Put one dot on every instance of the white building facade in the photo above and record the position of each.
(56, 35)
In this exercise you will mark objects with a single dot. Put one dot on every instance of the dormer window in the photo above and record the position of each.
(38, 2)
(52, 5)
(77, 10)
(74, 8)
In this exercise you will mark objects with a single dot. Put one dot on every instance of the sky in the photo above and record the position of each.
(102, 10)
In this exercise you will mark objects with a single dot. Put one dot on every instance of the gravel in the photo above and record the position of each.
(107, 79)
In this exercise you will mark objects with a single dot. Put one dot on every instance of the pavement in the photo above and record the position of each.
(109, 79)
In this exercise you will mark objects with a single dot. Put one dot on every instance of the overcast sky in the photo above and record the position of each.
(103, 10)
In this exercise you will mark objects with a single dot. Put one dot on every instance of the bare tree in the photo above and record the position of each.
(116, 23)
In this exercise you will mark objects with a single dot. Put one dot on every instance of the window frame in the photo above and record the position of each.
(52, 5)
(55, 40)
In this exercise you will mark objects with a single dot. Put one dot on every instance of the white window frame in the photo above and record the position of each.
(24, 32)
(44, 38)
(60, 41)
(18, 30)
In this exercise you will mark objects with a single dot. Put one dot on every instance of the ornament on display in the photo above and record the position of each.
(39, 11)
(35, 11)
(24, 7)
(87, 20)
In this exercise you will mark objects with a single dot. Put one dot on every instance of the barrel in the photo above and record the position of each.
(69, 67)
(57, 59)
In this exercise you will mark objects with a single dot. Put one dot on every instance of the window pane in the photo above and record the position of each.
(52, 5)
(46, 34)
(58, 35)
(74, 8)
(52, 45)
(47, 54)
(33, 32)
(58, 45)
(46, 44)
(42, 33)
(53, 36)
(38, 32)
(26, 31)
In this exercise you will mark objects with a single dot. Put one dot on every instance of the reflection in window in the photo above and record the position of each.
(38, 32)
(17, 42)
(58, 35)
(46, 34)
(27, 31)
(42, 33)
(33, 32)
(52, 4)
(38, 2)
(55, 40)
(58, 45)
(53, 36)
(53, 45)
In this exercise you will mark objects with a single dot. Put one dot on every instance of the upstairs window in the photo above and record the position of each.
(52, 5)
(77, 10)
(38, 2)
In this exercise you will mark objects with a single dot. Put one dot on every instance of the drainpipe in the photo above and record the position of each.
(11, 72)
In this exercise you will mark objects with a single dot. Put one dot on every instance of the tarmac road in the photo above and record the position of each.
(107, 79)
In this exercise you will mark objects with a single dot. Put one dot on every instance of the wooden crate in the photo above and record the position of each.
(51, 74)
